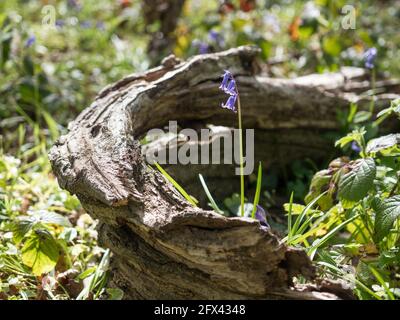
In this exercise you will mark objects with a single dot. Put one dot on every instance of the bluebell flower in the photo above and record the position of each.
(230, 104)
(355, 147)
(100, 25)
(228, 85)
(74, 4)
(60, 23)
(216, 37)
(231, 88)
(226, 77)
(30, 41)
(86, 24)
(262, 217)
(201, 46)
(369, 57)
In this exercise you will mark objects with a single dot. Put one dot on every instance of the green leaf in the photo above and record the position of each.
(320, 183)
(232, 202)
(115, 294)
(382, 144)
(355, 135)
(40, 252)
(362, 116)
(354, 185)
(387, 211)
(68, 234)
(298, 209)
(331, 45)
(87, 273)
(394, 108)
(20, 228)
(48, 217)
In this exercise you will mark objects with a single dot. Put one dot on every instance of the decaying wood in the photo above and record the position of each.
(163, 246)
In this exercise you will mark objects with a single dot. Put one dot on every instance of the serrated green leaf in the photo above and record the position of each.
(383, 143)
(354, 185)
(387, 211)
(40, 252)
(20, 228)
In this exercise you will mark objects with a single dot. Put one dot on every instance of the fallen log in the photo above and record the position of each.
(163, 247)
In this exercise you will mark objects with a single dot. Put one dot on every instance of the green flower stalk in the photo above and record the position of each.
(228, 85)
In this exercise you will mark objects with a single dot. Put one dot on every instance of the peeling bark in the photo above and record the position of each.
(164, 248)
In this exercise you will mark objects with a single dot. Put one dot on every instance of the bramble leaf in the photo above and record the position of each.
(40, 252)
(20, 228)
(384, 145)
(387, 211)
(354, 185)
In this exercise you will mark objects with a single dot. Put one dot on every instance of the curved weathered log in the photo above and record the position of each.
(163, 246)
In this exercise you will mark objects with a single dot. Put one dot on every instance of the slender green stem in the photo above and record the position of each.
(241, 156)
(373, 85)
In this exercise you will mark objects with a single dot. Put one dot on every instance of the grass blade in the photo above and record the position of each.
(176, 185)
(258, 191)
(382, 282)
(209, 196)
(304, 212)
(330, 234)
(339, 272)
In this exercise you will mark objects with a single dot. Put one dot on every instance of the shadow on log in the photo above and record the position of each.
(164, 248)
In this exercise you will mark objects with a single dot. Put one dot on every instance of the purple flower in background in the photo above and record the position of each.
(355, 147)
(30, 41)
(262, 217)
(74, 4)
(202, 47)
(216, 37)
(100, 25)
(60, 23)
(86, 24)
(228, 85)
(369, 57)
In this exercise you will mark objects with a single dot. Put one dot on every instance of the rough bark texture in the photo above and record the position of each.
(163, 246)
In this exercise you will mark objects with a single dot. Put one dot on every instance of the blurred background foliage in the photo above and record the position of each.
(56, 55)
